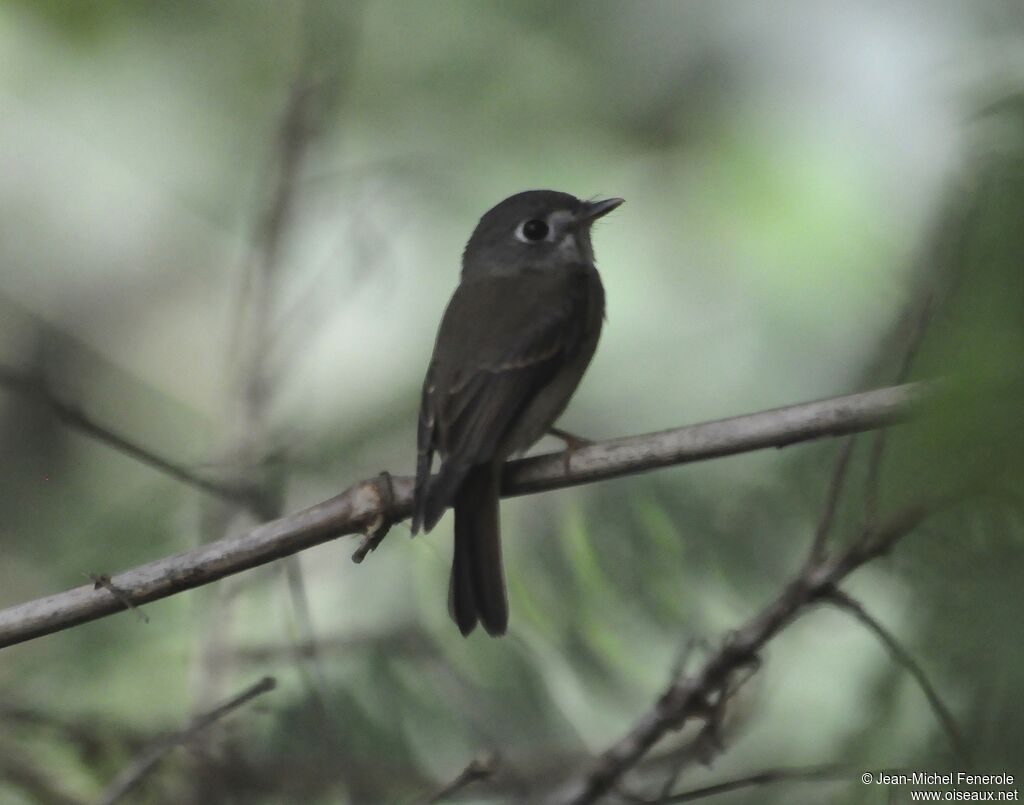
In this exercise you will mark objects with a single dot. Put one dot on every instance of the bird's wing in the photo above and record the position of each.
(501, 340)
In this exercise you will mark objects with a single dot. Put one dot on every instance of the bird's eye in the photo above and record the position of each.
(534, 230)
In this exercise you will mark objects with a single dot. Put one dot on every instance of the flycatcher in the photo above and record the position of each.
(513, 344)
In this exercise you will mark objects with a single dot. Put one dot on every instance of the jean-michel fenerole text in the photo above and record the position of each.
(950, 778)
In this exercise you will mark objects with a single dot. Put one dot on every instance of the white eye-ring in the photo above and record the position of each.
(533, 230)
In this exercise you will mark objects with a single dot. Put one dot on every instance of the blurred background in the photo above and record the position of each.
(228, 231)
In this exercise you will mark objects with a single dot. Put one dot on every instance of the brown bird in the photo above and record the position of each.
(514, 342)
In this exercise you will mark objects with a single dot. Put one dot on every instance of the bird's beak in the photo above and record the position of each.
(592, 210)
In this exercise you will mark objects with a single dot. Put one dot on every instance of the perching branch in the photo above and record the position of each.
(364, 504)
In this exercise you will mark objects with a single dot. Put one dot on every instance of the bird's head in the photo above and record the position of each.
(534, 229)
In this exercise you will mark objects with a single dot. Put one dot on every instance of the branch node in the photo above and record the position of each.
(480, 768)
(739, 653)
(102, 581)
(382, 521)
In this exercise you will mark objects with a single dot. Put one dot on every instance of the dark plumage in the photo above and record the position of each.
(513, 344)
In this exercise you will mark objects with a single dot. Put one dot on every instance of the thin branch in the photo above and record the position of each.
(835, 490)
(74, 417)
(255, 378)
(702, 747)
(102, 580)
(149, 757)
(766, 777)
(698, 747)
(306, 653)
(480, 768)
(914, 339)
(364, 503)
(902, 657)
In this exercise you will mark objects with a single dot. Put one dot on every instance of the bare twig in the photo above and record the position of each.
(147, 760)
(306, 653)
(919, 324)
(835, 490)
(323, 72)
(766, 777)
(360, 505)
(102, 580)
(311, 89)
(480, 768)
(902, 657)
(71, 415)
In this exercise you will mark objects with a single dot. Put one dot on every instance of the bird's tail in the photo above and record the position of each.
(477, 589)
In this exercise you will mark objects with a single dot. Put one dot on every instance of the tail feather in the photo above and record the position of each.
(436, 494)
(477, 589)
(461, 598)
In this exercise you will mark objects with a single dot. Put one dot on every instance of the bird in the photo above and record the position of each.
(512, 346)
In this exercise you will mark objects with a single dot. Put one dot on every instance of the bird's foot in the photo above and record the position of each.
(572, 444)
